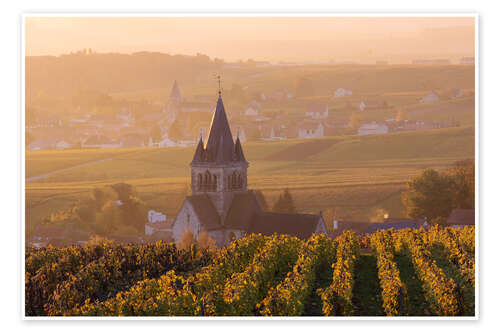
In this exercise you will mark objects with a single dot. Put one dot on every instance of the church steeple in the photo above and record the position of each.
(219, 167)
(238, 151)
(175, 95)
(219, 148)
(199, 153)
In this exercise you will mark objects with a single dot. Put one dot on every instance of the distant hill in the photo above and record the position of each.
(143, 74)
(113, 72)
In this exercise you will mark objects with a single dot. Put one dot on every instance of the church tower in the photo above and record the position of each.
(219, 167)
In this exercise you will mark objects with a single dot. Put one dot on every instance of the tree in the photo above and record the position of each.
(204, 241)
(429, 195)
(285, 203)
(262, 200)
(187, 240)
(99, 198)
(402, 115)
(463, 174)
(109, 219)
(133, 211)
(355, 121)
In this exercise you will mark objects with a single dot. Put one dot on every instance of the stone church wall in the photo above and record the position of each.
(186, 219)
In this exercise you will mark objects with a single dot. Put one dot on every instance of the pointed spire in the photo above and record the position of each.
(198, 154)
(220, 132)
(175, 95)
(238, 151)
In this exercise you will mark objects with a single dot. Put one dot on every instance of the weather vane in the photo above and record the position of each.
(218, 79)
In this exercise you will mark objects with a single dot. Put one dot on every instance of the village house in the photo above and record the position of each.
(100, 141)
(455, 93)
(166, 142)
(270, 132)
(467, 61)
(372, 105)
(253, 109)
(63, 144)
(47, 122)
(365, 227)
(317, 111)
(157, 222)
(311, 129)
(411, 125)
(240, 132)
(43, 143)
(430, 97)
(221, 203)
(373, 128)
(341, 92)
(126, 117)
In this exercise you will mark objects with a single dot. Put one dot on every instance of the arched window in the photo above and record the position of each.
(200, 181)
(240, 181)
(214, 183)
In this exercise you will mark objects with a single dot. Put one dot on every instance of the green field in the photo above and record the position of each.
(354, 175)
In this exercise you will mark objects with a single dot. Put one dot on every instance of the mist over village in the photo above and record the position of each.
(204, 171)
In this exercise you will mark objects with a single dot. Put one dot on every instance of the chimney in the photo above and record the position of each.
(335, 224)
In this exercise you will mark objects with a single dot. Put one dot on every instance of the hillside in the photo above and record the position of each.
(146, 75)
(389, 273)
(355, 175)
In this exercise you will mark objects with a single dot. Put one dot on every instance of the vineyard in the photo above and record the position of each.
(388, 273)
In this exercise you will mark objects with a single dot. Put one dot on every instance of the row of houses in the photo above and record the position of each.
(458, 218)
(159, 227)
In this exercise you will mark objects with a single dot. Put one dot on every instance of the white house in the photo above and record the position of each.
(99, 141)
(317, 111)
(429, 98)
(126, 116)
(157, 222)
(341, 92)
(253, 109)
(62, 144)
(309, 130)
(373, 128)
(366, 105)
(467, 61)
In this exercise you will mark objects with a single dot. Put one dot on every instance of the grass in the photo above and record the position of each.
(367, 298)
(417, 305)
(353, 174)
(467, 292)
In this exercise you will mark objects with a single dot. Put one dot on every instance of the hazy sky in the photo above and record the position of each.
(361, 39)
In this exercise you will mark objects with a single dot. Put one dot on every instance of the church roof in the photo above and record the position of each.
(243, 208)
(219, 148)
(245, 213)
(205, 210)
(293, 224)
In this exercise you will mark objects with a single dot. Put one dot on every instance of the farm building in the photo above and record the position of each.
(253, 109)
(317, 111)
(221, 202)
(342, 92)
(372, 105)
(430, 97)
(373, 128)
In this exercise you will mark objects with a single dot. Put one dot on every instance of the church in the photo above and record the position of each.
(221, 204)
